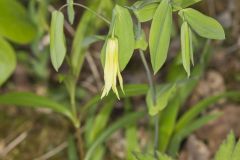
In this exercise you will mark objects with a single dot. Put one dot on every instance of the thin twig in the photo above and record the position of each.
(53, 152)
(13, 144)
(89, 9)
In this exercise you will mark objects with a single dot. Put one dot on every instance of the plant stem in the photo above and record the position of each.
(154, 99)
(80, 142)
(89, 9)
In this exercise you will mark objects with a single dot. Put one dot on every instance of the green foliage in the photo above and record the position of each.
(167, 121)
(57, 44)
(131, 134)
(181, 4)
(141, 42)
(160, 34)
(124, 121)
(100, 121)
(7, 60)
(163, 94)
(179, 136)
(15, 24)
(187, 47)
(145, 10)
(141, 156)
(88, 25)
(71, 12)
(229, 149)
(195, 110)
(204, 26)
(122, 28)
(34, 101)
(173, 127)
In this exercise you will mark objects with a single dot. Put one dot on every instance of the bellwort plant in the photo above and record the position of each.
(91, 124)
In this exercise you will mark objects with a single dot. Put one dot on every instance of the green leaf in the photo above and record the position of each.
(195, 110)
(101, 120)
(180, 4)
(146, 12)
(187, 47)
(203, 25)
(131, 134)
(57, 40)
(167, 121)
(160, 34)
(236, 152)
(15, 23)
(229, 149)
(180, 135)
(125, 120)
(163, 96)
(33, 101)
(70, 10)
(92, 39)
(226, 149)
(7, 60)
(123, 30)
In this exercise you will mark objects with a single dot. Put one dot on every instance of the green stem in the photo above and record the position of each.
(154, 99)
(73, 100)
(89, 9)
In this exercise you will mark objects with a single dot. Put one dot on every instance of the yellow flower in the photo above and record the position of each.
(111, 68)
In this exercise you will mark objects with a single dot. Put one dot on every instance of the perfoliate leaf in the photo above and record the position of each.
(57, 40)
(146, 12)
(164, 93)
(125, 34)
(160, 34)
(141, 42)
(71, 12)
(203, 25)
(7, 60)
(15, 24)
(187, 47)
(123, 30)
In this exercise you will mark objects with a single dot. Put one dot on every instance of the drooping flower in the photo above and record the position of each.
(111, 68)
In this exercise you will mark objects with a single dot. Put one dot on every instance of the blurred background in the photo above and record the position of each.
(27, 134)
